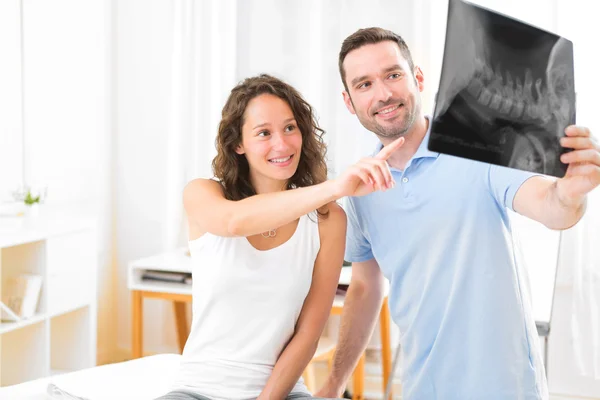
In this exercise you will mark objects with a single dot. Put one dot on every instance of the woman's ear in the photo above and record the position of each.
(240, 149)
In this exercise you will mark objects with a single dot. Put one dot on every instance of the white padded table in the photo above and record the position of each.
(143, 378)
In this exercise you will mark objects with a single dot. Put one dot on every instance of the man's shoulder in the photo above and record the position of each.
(355, 207)
(459, 168)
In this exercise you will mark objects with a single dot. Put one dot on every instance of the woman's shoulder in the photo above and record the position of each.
(334, 220)
(204, 182)
(335, 210)
(201, 186)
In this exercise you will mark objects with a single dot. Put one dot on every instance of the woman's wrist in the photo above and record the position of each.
(332, 189)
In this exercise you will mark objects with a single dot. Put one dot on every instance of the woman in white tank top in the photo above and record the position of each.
(267, 242)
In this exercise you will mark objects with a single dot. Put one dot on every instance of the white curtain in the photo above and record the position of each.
(299, 42)
(218, 43)
(584, 239)
(579, 264)
(202, 74)
(581, 242)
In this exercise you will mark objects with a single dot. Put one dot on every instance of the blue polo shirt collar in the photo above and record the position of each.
(422, 151)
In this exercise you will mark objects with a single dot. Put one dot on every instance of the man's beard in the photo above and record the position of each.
(393, 132)
(398, 129)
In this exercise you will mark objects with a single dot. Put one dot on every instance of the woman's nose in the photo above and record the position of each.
(280, 141)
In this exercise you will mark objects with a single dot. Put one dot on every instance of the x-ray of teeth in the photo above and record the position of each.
(507, 91)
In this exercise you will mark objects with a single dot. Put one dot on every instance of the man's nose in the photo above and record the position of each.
(384, 93)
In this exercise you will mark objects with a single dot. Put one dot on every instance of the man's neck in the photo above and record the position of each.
(412, 141)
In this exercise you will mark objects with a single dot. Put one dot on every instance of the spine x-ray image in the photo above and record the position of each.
(506, 92)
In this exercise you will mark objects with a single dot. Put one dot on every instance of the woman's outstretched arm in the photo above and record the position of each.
(209, 211)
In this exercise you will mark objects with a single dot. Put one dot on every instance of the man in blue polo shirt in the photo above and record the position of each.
(442, 238)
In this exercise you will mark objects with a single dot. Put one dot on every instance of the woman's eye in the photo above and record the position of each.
(263, 133)
(290, 128)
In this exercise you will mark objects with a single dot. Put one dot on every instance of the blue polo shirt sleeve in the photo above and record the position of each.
(505, 182)
(358, 248)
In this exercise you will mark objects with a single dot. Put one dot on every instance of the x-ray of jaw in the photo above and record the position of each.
(506, 91)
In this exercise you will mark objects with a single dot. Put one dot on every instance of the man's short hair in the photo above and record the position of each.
(371, 36)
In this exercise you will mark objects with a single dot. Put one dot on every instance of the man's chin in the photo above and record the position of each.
(391, 130)
(391, 133)
(394, 129)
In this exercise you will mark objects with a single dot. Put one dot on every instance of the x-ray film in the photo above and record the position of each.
(506, 92)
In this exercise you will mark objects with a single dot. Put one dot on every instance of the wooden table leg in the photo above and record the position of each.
(309, 377)
(358, 379)
(182, 325)
(386, 348)
(137, 324)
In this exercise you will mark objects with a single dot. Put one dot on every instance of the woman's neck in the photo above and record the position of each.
(265, 185)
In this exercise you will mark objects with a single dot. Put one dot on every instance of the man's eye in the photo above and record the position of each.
(395, 76)
(364, 85)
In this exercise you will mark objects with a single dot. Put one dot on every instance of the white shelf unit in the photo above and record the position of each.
(61, 336)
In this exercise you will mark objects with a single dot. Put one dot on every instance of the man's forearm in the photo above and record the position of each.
(361, 309)
(560, 212)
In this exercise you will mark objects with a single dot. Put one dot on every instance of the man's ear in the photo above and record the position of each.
(419, 78)
(348, 102)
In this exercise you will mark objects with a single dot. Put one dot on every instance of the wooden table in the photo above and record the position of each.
(358, 376)
(178, 293)
(137, 309)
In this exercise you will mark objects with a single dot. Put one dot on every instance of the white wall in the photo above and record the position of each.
(66, 114)
(10, 98)
(64, 98)
(67, 132)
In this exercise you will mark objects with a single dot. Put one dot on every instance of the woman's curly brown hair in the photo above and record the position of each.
(232, 168)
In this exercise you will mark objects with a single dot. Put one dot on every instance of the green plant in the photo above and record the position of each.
(30, 200)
